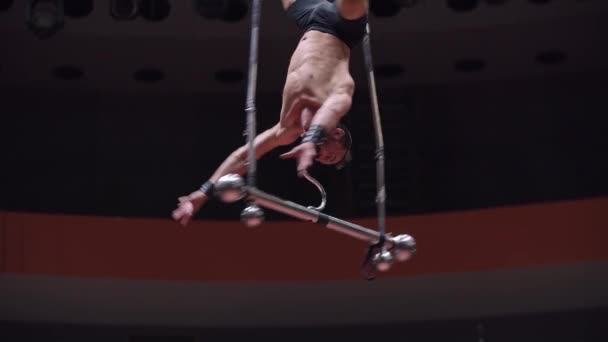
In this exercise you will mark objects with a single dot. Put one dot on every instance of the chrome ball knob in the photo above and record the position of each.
(230, 188)
(405, 247)
(383, 261)
(252, 216)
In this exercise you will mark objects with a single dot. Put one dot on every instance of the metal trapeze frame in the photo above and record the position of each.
(232, 187)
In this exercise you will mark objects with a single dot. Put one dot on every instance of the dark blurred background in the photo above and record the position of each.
(117, 107)
(130, 104)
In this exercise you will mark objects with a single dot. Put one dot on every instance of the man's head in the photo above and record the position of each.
(336, 148)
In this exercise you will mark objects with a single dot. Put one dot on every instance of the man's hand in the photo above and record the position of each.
(305, 153)
(187, 206)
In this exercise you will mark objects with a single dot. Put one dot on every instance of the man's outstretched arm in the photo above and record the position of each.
(263, 143)
(235, 163)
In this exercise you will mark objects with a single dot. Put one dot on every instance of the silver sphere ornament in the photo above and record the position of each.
(383, 261)
(230, 188)
(405, 247)
(252, 216)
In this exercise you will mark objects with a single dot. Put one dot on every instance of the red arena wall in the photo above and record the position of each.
(63, 245)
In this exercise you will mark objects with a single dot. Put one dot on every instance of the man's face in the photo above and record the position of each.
(332, 151)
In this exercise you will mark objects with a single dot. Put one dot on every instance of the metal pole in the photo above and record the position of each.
(307, 214)
(251, 90)
(380, 181)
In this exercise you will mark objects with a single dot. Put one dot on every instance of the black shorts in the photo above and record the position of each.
(323, 15)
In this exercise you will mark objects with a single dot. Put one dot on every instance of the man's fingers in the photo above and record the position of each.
(184, 209)
(185, 220)
(304, 164)
(182, 215)
(289, 154)
(177, 214)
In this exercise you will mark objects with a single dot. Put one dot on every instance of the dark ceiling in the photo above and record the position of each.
(497, 105)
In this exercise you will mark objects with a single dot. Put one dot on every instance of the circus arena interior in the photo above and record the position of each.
(494, 117)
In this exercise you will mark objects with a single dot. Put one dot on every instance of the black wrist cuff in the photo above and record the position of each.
(207, 188)
(315, 134)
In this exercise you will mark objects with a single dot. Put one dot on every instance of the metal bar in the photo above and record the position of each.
(307, 214)
(380, 182)
(251, 90)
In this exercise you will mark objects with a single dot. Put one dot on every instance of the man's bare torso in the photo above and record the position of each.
(319, 67)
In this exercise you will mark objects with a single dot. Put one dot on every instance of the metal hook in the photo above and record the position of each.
(321, 190)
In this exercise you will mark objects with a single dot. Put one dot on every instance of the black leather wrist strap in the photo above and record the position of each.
(207, 188)
(315, 134)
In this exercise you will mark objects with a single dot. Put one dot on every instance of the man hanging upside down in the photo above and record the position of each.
(317, 95)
